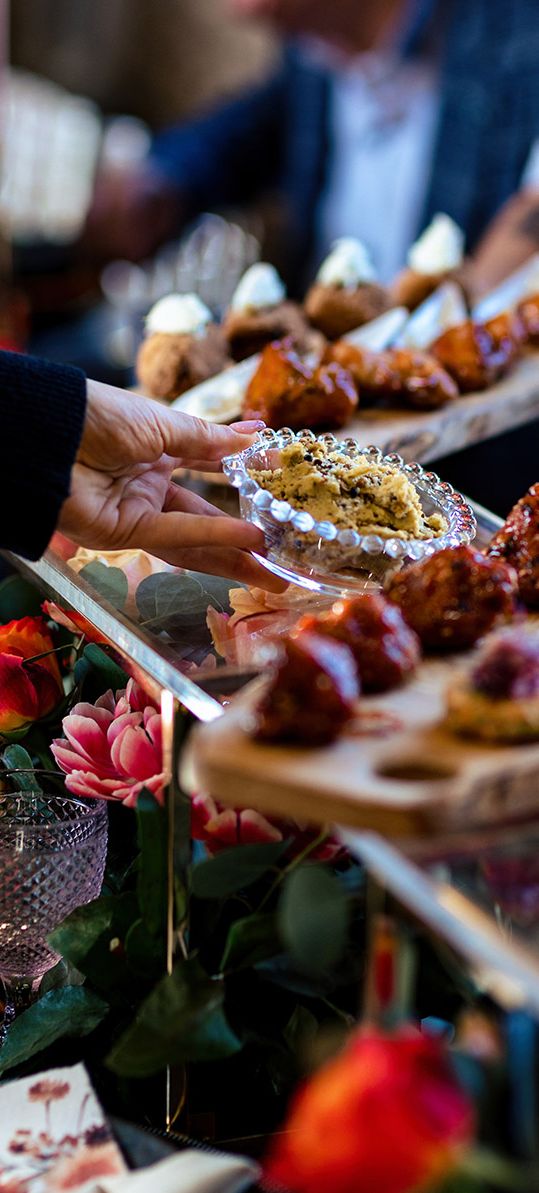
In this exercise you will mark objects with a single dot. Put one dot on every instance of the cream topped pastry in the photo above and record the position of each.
(345, 294)
(436, 256)
(350, 492)
(260, 312)
(182, 347)
(348, 264)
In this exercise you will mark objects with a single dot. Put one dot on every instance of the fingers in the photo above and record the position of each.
(165, 533)
(184, 501)
(190, 439)
(234, 564)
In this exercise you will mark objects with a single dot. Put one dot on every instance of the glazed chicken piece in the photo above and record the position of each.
(411, 377)
(518, 544)
(508, 335)
(312, 694)
(528, 310)
(471, 355)
(384, 647)
(455, 596)
(287, 392)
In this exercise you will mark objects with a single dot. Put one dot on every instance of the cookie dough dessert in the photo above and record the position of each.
(345, 294)
(350, 492)
(260, 312)
(437, 256)
(498, 700)
(182, 347)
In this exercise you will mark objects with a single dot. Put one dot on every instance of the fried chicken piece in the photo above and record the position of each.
(384, 647)
(287, 392)
(528, 310)
(167, 365)
(518, 544)
(312, 694)
(454, 597)
(408, 376)
(470, 354)
(248, 332)
(334, 310)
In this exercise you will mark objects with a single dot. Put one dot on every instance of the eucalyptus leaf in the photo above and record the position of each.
(109, 582)
(250, 941)
(80, 930)
(145, 954)
(182, 1020)
(234, 869)
(175, 602)
(313, 918)
(16, 759)
(71, 1011)
(152, 872)
(18, 598)
(96, 671)
(62, 974)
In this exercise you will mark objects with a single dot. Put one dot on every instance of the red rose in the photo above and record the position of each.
(385, 1117)
(28, 690)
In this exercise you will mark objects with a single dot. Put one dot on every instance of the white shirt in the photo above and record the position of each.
(383, 123)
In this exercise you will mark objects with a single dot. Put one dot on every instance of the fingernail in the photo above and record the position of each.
(255, 424)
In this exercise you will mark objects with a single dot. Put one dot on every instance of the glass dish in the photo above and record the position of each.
(321, 556)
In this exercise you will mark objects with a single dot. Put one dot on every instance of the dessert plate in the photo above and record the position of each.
(443, 309)
(325, 558)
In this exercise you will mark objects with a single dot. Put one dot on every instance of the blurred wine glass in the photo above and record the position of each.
(52, 859)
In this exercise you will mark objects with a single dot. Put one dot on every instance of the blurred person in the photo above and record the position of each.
(96, 464)
(382, 113)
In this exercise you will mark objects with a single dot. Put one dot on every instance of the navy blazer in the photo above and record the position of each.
(277, 135)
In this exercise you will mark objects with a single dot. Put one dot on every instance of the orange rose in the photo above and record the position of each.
(28, 690)
(385, 1117)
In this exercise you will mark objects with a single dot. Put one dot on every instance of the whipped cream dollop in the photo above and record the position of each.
(348, 264)
(178, 314)
(259, 288)
(439, 248)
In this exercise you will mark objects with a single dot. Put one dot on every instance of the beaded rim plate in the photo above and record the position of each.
(314, 554)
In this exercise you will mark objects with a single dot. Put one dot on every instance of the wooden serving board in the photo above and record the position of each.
(412, 779)
(423, 436)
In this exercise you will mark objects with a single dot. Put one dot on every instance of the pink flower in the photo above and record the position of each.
(112, 749)
(220, 827)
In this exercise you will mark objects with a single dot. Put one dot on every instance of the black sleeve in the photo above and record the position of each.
(42, 409)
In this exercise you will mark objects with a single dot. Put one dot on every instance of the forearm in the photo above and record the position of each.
(511, 238)
(42, 411)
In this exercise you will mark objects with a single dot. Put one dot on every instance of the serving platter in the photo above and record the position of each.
(400, 772)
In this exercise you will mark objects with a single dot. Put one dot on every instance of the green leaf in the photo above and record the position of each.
(18, 598)
(62, 974)
(313, 919)
(145, 954)
(109, 582)
(71, 1011)
(176, 602)
(97, 672)
(250, 941)
(152, 872)
(80, 930)
(182, 1020)
(16, 758)
(234, 869)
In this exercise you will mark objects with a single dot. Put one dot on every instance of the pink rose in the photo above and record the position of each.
(220, 827)
(112, 749)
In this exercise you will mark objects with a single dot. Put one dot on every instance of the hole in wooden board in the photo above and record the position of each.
(415, 770)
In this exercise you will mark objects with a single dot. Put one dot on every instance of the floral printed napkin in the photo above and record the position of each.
(54, 1138)
(53, 1134)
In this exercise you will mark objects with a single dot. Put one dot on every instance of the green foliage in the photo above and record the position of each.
(79, 932)
(19, 762)
(152, 870)
(71, 1011)
(250, 941)
(234, 869)
(182, 1020)
(313, 919)
(109, 582)
(179, 602)
(18, 598)
(96, 672)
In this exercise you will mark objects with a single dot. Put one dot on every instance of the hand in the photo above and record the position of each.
(122, 494)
